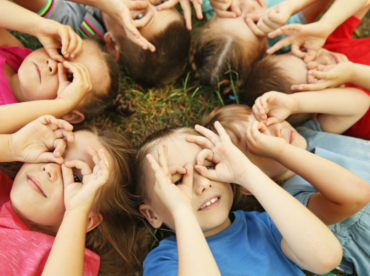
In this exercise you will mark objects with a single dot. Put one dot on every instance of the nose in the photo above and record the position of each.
(276, 129)
(52, 171)
(52, 66)
(201, 184)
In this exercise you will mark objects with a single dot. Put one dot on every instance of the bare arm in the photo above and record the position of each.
(338, 108)
(34, 5)
(7, 39)
(306, 237)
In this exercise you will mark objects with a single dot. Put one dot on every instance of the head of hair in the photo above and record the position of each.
(164, 65)
(120, 238)
(216, 58)
(265, 76)
(228, 116)
(98, 100)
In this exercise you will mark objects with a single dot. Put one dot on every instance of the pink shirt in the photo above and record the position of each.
(24, 252)
(14, 57)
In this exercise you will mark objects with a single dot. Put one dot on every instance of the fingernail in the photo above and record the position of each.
(57, 152)
(310, 72)
(67, 162)
(144, 47)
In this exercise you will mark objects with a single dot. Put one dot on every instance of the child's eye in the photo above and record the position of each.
(60, 52)
(178, 182)
(210, 167)
(70, 77)
(139, 16)
(76, 178)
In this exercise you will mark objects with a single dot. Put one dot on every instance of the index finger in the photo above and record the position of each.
(213, 137)
(200, 141)
(278, 45)
(185, 5)
(47, 119)
(222, 132)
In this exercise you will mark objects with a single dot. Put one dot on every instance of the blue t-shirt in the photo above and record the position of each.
(298, 18)
(249, 246)
(352, 154)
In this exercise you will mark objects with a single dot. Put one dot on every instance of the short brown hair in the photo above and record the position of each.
(265, 76)
(164, 65)
(213, 57)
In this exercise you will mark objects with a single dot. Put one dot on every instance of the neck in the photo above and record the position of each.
(218, 229)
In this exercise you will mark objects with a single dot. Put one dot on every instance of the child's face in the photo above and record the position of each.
(38, 74)
(213, 218)
(296, 68)
(283, 130)
(236, 26)
(158, 22)
(37, 193)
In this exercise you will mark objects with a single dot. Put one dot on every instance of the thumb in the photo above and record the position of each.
(271, 121)
(139, 23)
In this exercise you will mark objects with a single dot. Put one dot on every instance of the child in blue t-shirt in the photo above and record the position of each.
(337, 198)
(183, 182)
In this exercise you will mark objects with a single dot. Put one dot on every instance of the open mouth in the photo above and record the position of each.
(36, 185)
(210, 204)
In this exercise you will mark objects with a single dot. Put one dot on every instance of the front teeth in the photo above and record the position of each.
(209, 203)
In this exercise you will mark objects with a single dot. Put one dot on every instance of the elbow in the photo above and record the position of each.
(363, 197)
(327, 260)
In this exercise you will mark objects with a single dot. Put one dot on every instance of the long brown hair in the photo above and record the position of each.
(120, 238)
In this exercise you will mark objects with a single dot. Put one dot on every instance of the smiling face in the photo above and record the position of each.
(211, 200)
(38, 73)
(159, 21)
(296, 68)
(37, 194)
(283, 130)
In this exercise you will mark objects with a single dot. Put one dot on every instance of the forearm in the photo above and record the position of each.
(7, 154)
(343, 192)
(339, 108)
(339, 12)
(8, 39)
(67, 254)
(195, 257)
(25, 21)
(21, 114)
(360, 75)
(304, 233)
(297, 6)
(34, 5)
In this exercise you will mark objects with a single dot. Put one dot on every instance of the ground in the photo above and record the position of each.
(177, 104)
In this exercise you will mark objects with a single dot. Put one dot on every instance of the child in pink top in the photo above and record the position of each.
(61, 74)
(56, 210)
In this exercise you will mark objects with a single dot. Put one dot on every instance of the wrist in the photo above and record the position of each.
(7, 149)
(181, 212)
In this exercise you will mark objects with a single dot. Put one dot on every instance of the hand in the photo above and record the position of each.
(185, 5)
(54, 35)
(231, 163)
(321, 76)
(33, 142)
(119, 10)
(172, 196)
(222, 7)
(311, 36)
(269, 20)
(273, 107)
(260, 141)
(81, 195)
(73, 92)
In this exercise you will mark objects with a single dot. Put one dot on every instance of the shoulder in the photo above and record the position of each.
(162, 260)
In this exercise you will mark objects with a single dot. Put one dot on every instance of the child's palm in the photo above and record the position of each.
(34, 142)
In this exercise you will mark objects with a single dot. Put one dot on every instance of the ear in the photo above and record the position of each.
(150, 215)
(93, 220)
(74, 117)
(244, 191)
(112, 47)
